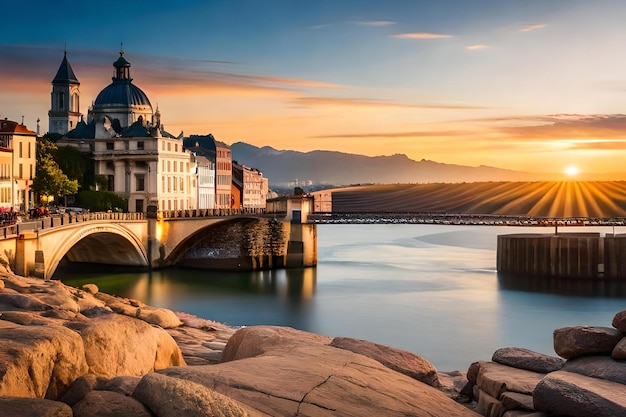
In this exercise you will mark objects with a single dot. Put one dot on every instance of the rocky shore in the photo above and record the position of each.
(66, 351)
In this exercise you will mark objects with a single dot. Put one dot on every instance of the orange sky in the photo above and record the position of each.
(521, 87)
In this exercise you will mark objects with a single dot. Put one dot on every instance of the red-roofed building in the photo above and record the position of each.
(17, 165)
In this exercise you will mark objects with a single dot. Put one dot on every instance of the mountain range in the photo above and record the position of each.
(285, 168)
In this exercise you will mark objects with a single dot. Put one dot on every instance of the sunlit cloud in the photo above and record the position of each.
(361, 102)
(529, 28)
(477, 47)
(572, 126)
(375, 135)
(374, 23)
(421, 35)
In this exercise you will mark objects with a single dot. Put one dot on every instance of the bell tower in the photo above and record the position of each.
(64, 112)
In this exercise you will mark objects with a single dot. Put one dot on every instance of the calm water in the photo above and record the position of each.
(429, 289)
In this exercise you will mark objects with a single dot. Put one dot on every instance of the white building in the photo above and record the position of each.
(143, 163)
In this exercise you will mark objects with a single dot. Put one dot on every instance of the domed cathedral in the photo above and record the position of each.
(143, 164)
(64, 113)
(122, 103)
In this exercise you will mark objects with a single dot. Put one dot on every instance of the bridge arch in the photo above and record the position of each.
(238, 243)
(106, 243)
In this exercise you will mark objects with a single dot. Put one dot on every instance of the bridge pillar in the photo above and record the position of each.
(25, 253)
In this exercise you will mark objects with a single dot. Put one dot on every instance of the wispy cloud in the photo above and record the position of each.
(477, 47)
(321, 26)
(373, 22)
(529, 28)
(364, 102)
(416, 134)
(421, 35)
(571, 127)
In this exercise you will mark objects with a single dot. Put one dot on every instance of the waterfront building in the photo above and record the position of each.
(142, 162)
(64, 113)
(250, 187)
(205, 174)
(220, 153)
(17, 166)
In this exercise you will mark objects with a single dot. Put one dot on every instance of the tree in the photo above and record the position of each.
(71, 161)
(50, 181)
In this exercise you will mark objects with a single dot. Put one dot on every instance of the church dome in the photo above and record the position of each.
(122, 92)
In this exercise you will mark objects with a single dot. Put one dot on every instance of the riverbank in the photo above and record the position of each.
(67, 351)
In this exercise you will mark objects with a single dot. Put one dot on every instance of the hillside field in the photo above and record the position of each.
(604, 199)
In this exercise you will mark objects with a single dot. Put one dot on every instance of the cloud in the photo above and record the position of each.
(31, 69)
(477, 47)
(421, 35)
(417, 134)
(571, 127)
(529, 28)
(377, 23)
(364, 102)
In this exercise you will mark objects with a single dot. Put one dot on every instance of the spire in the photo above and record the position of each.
(65, 74)
(122, 68)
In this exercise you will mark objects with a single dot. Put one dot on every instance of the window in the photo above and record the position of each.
(139, 206)
(21, 168)
(61, 100)
(20, 149)
(169, 146)
(140, 145)
(111, 183)
(140, 183)
(109, 146)
(29, 146)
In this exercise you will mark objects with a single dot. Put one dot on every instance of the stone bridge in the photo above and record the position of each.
(228, 240)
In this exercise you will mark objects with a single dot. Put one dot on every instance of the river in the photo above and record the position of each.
(429, 289)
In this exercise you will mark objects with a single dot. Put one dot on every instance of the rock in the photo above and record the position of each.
(109, 404)
(494, 379)
(523, 413)
(1, 284)
(159, 316)
(572, 342)
(619, 321)
(602, 367)
(118, 345)
(574, 395)
(117, 304)
(167, 397)
(35, 407)
(91, 288)
(79, 389)
(254, 341)
(197, 344)
(399, 360)
(25, 318)
(286, 372)
(527, 359)
(511, 400)
(21, 302)
(120, 384)
(487, 405)
(619, 351)
(39, 361)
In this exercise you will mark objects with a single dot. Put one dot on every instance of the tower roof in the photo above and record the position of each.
(121, 92)
(65, 74)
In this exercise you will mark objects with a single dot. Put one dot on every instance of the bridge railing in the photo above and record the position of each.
(174, 214)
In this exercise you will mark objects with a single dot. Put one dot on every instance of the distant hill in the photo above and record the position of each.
(540, 199)
(337, 168)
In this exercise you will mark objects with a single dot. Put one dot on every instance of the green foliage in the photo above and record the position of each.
(50, 180)
(72, 162)
(101, 201)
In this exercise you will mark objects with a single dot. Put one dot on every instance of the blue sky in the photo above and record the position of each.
(529, 85)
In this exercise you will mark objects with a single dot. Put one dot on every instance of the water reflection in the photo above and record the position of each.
(563, 286)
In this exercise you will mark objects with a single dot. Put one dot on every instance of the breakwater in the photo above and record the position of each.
(563, 255)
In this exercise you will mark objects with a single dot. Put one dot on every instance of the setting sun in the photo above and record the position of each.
(571, 171)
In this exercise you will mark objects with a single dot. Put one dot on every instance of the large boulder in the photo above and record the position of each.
(26, 407)
(602, 367)
(118, 345)
(527, 359)
(619, 321)
(171, 397)
(399, 360)
(39, 361)
(565, 393)
(109, 404)
(575, 341)
(495, 379)
(285, 372)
